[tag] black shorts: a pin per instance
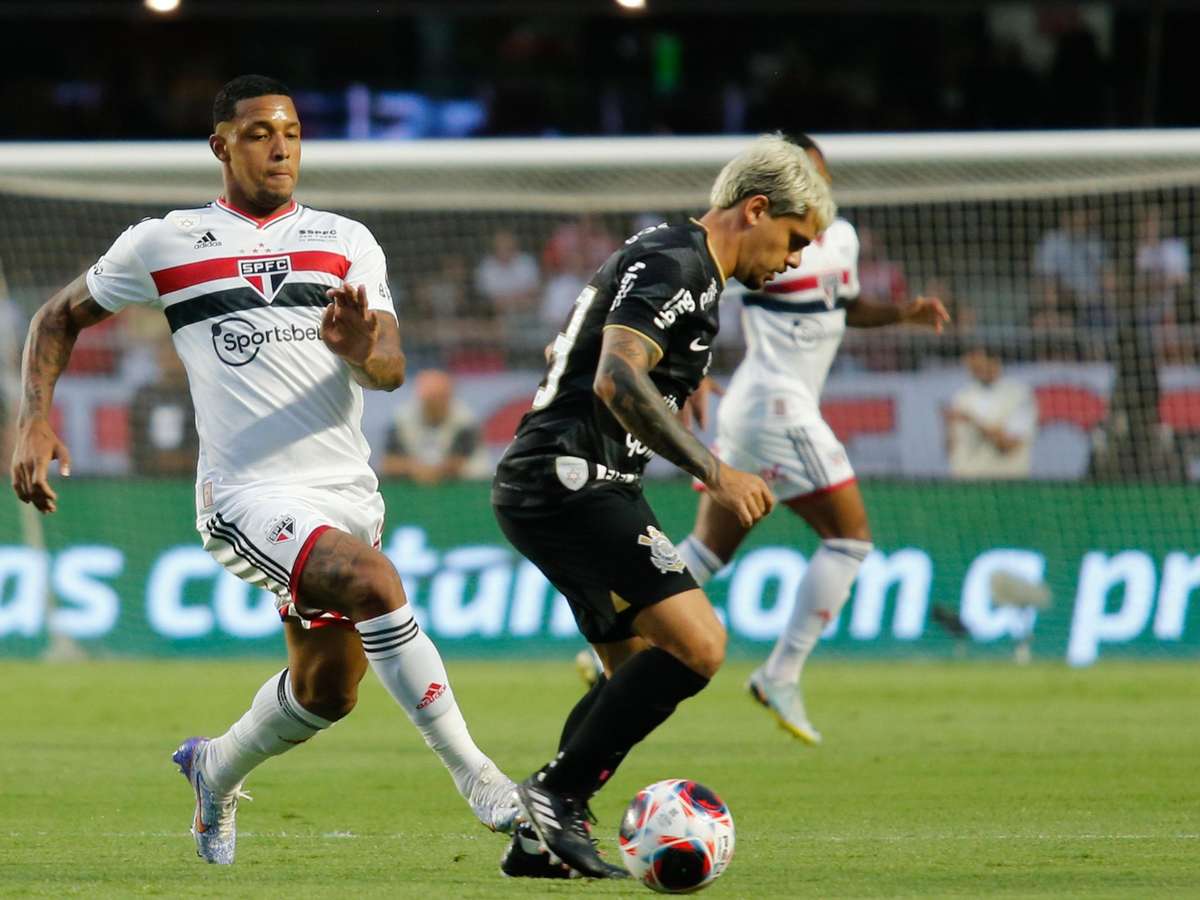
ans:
(604, 550)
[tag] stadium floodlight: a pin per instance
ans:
(631, 4)
(162, 6)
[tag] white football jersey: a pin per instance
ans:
(244, 299)
(793, 329)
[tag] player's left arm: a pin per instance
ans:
(367, 340)
(623, 383)
(927, 311)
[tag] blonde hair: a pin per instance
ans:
(783, 173)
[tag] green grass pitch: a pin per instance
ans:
(935, 780)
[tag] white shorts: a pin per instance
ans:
(795, 460)
(264, 536)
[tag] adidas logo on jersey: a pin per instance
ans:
(432, 693)
(207, 242)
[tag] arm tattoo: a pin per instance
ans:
(385, 369)
(52, 335)
(623, 383)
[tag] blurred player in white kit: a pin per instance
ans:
(770, 422)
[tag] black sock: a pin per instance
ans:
(638, 698)
(579, 712)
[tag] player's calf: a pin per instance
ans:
(327, 687)
(347, 575)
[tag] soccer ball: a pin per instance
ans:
(676, 836)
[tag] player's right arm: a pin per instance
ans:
(52, 335)
(623, 383)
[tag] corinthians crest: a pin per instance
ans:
(663, 554)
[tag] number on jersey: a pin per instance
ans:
(562, 349)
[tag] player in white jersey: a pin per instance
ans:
(770, 422)
(281, 315)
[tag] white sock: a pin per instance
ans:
(406, 661)
(822, 594)
(700, 560)
(274, 724)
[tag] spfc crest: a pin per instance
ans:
(281, 530)
(829, 288)
(265, 274)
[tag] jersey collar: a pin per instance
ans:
(712, 254)
(290, 210)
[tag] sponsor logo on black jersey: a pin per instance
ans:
(627, 282)
(238, 341)
(265, 275)
(646, 231)
(678, 306)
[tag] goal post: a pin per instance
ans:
(1067, 258)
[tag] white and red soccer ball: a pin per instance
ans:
(676, 836)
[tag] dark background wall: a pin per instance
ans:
(115, 70)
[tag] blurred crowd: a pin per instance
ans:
(1086, 289)
(1082, 292)
(587, 69)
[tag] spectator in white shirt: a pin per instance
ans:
(508, 277)
(437, 438)
(1074, 273)
(1163, 269)
(990, 422)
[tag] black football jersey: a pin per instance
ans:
(664, 284)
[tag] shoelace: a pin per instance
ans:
(582, 818)
(229, 807)
(491, 793)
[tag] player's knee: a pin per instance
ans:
(706, 653)
(326, 689)
(374, 588)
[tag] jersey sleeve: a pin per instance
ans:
(368, 267)
(653, 293)
(119, 277)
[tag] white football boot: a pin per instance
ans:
(214, 822)
(492, 797)
(783, 700)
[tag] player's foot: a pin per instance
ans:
(526, 857)
(490, 794)
(588, 665)
(214, 822)
(783, 700)
(561, 822)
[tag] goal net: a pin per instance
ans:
(1027, 473)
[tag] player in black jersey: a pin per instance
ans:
(567, 493)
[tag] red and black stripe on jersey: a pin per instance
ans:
(239, 299)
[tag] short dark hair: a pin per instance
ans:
(243, 88)
(803, 141)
